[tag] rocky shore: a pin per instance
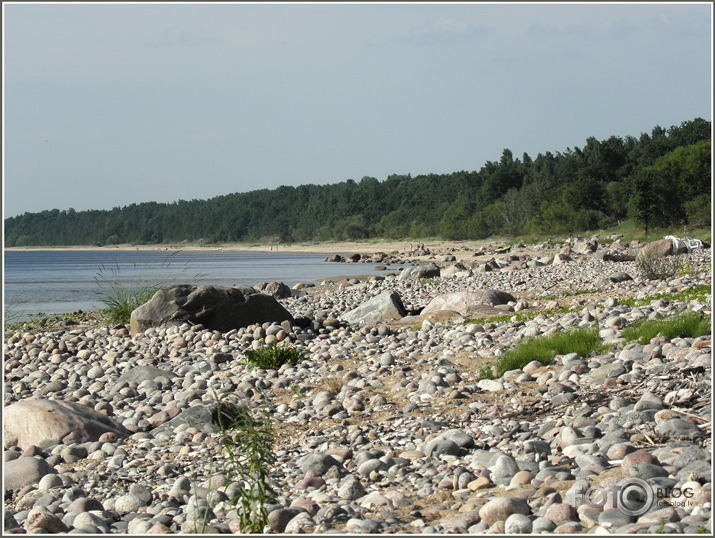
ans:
(386, 426)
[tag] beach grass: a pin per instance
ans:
(120, 297)
(545, 348)
(687, 324)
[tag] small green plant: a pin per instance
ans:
(545, 348)
(486, 372)
(655, 267)
(686, 268)
(247, 443)
(688, 324)
(273, 357)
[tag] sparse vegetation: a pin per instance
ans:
(273, 357)
(333, 385)
(688, 324)
(42, 322)
(486, 372)
(522, 316)
(655, 267)
(121, 298)
(247, 443)
(545, 348)
(574, 293)
(701, 292)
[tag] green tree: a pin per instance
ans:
(649, 199)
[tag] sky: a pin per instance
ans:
(105, 104)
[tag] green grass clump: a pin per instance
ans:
(273, 357)
(120, 301)
(686, 324)
(545, 348)
(121, 298)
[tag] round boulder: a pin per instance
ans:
(32, 421)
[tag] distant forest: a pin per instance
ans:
(659, 179)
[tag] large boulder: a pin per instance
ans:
(467, 302)
(383, 307)
(219, 308)
(279, 290)
(656, 249)
(32, 421)
(417, 272)
(458, 269)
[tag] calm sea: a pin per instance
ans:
(61, 281)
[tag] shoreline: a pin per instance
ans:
(410, 387)
(306, 247)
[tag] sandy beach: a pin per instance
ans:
(460, 249)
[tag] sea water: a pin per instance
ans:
(62, 281)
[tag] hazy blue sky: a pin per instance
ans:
(107, 105)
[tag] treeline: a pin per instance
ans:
(658, 179)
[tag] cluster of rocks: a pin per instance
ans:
(387, 425)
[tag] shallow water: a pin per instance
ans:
(60, 281)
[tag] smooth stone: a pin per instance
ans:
(317, 463)
(501, 508)
(647, 470)
(612, 517)
(518, 524)
(351, 489)
(560, 512)
(279, 519)
(677, 427)
(648, 401)
(503, 470)
(542, 525)
(24, 472)
(50, 481)
(440, 447)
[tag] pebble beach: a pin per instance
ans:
(389, 427)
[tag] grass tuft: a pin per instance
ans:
(686, 324)
(121, 298)
(545, 348)
(333, 385)
(273, 357)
